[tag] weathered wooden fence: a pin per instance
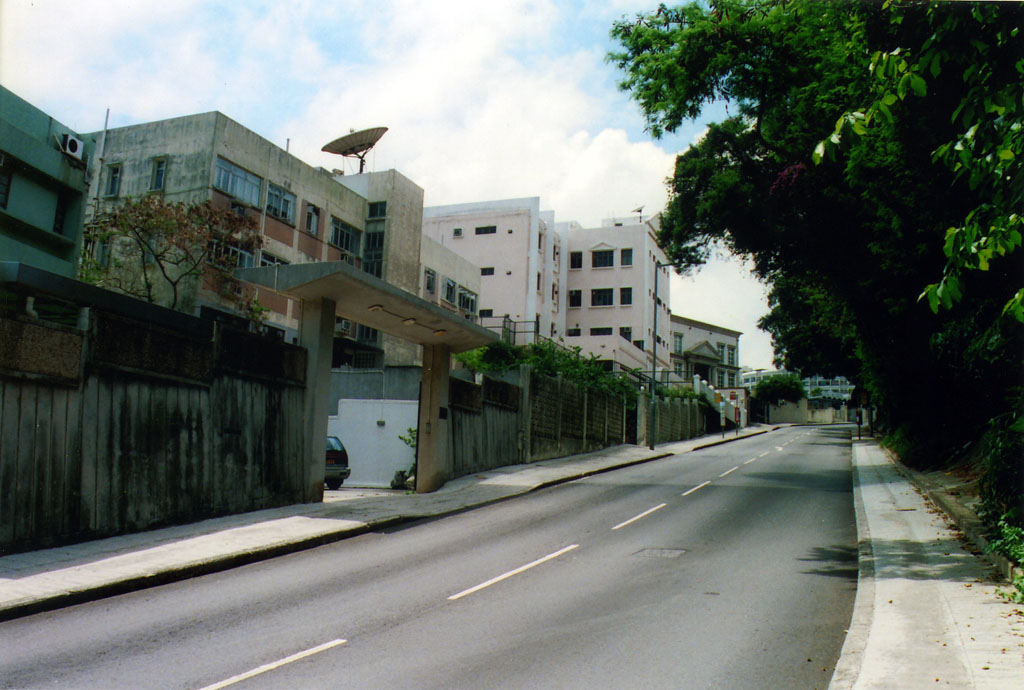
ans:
(484, 425)
(128, 424)
(565, 419)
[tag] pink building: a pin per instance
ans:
(520, 259)
(610, 299)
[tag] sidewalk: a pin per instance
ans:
(926, 612)
(52, 578)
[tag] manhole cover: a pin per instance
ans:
(660, 553)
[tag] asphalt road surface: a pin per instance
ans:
(729, 567)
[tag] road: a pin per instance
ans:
(729, 567)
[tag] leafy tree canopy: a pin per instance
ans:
(780, 388)
(848, 245)
(158, 251)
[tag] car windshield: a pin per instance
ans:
(334, 444)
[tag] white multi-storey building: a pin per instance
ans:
(520, 259)
(611, 302)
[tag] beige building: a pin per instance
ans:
(305, 214)
(519, 256)
(705, 350)
(610, 305)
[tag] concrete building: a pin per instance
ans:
(448, 280)
(705, 350)
(519, 255)
(43, 185)
(305, 214)
(610, 305)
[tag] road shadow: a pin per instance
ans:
(839, 561)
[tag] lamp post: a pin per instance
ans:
(654, 354)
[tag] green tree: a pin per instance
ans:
(780, 388)
(847, 245)
(159, 251)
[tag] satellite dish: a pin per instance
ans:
(356, 144)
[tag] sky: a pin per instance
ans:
(483, 100)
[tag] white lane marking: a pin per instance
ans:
(505, 576)
(699, 486)
(729, 471)
(275, 664)
(778, 448)
(750, 461)
(764, 454)
(643, 514)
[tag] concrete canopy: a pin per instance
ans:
(372, 302)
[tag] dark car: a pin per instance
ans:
(337, 469)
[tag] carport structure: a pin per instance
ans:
(334, 288)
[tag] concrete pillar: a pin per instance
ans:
(316, 334)
(433, 465)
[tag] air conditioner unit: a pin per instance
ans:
(73, 146)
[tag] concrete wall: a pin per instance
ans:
(131, 425)
(390, 383)
(375, 452)
(40, 181)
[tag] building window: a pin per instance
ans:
(720, 378)
(487, 271)
(603, 330)
(679, 369)
(239, 183)
(486, 313)
(365, 334)
(456, 232)
(429, 280)
(575, 298)
(312, 219)
(538, 281)
(602, 258)
(721, 352)
(626, 257)
(575, 259)
(449, 290)
(5, 187)
(602, 297)
(467, 300)
(377, 209)
(626, 332)
(268, 259)
(625, 296)
(731, 355)
(540, 243)
(239, 257)
(60, 213)
(280, 203)
(345, 236)
(373, 254)
(156, 179)
(638, 344)
(677, 343)
(113, 180)
(486, 230)
(572, 332)
(732, 380)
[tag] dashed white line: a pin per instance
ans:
(778, 448)
(505, 576)
(767, 452)
(699, 486)
(641, 515)
(750, 461)
(275, 664)
(729, 471)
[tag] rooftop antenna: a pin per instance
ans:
(356, 144)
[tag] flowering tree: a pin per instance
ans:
(158, 251)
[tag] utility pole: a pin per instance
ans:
(654, 355)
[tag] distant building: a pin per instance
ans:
(705, 350)
(519, 258)
(610, 303)
(43, 186)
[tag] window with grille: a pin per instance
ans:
(602, 297)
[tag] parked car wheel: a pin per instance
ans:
(333, 483)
